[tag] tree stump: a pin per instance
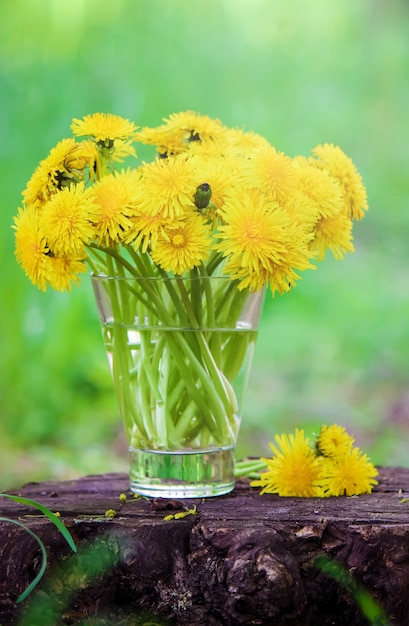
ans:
(241, 559)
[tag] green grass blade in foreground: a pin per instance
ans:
(93, 560)
(40, 574)
(366, 603)
(49, 514)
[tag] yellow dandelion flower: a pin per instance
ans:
(264, 245)
(104, 127)
(31, 246)
(334, 441)
(196, 127)
(231, 143)
(322, 191)
(81, 155)
(67, 220)
(317, 202)
(220, 173)
(245, 142)
(253, 231)
(112, 134)
(293, 469)
(145, 229)
(168, 187)
(116, 196)
(183, 131)
(349, 474)
(343, 170)
(65, 164)
(117, 152)
(279, 278)
(333, 233)
(64, 272)
(41, 186)
(209, 150)
(168, 141)
(301, 210)
(270, 172)
(182, 247)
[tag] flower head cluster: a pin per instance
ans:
(331, 467)
(344, 468)
(215, 200)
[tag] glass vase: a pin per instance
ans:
(180, 352)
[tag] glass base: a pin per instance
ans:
(182, 473)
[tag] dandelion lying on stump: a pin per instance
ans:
(332, 466)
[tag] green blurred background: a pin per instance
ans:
(301, 72)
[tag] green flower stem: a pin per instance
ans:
(146, 382)
(175, 394)
(229, 306)
(149, 371)
(112, 253)
(215, 259)
(212, 410)
(219, 389)
(95, 267)
(180, 347)
(121, 311)
(215, 339)
(124, 295)
(210, 304)
(120, 359)
(210, 404)
(164, 423)
(235, 352)
(196, 297)
(179, 306)
(249, 467)
(185, 422)
(183, 391)
(142, 400)
(221, 385)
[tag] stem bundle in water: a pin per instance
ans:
(178, 348)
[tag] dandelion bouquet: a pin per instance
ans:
(181, 249)
(330, 466)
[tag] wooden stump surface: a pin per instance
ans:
(241, 559)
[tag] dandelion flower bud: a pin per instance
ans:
(203, 195)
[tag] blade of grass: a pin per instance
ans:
(40, 574)
(49, 514)
(366, 603)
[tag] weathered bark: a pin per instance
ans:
(242, 559)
